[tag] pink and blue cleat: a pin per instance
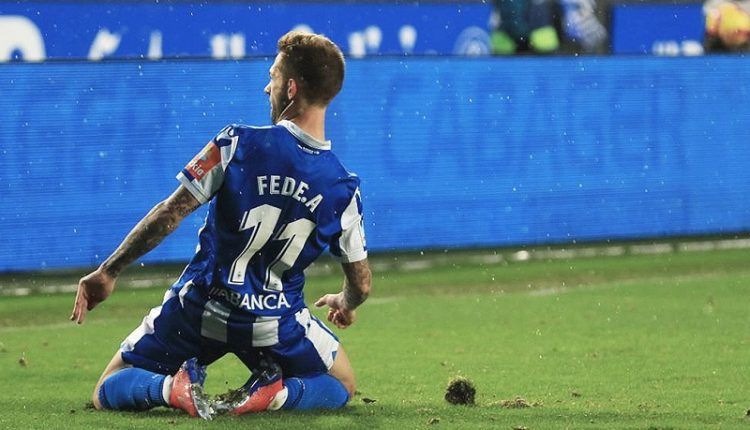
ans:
(258, 392)
(187, 390)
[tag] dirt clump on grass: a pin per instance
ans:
(518, 403)
(230, 396)
(460, 391)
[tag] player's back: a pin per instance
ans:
(283, 198)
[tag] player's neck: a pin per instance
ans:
(312, 121)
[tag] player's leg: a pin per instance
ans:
(114, 365)
(331, 390)
(316, 371)
(154, 365)
(342, 370)
(135, 389)
(123, 387)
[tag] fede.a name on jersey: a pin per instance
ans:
(288, 186)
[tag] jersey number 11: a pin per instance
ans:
(263, 220)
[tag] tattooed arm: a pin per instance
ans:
(162, 220)
(357, 284)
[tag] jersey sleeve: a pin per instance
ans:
(204, 174)
(350, 245)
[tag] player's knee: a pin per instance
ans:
(350, 386)
(95, 398)
(348, 383)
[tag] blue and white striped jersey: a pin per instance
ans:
(278, 197)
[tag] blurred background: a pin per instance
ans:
(507, 123)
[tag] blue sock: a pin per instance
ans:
(319, 392)
(132, 389)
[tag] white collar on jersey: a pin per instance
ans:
(304, 136)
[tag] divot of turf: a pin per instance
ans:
(460, 391)
(518, 403)
(231, 396)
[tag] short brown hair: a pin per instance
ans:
(315, 62)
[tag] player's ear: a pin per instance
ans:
(291, 89)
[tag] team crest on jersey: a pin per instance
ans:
(204, 161)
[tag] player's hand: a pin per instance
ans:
(338, 314)
(93, 289)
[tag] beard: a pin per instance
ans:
(278, 104)
(277, 109)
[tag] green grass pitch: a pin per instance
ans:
(636, 342)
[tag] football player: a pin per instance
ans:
(278, 197)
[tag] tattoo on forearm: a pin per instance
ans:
(162, 220)
(355, 295)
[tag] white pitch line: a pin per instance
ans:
(551, 291)
(54, 326)
(382, 300)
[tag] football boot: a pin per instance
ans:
(187, 390)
